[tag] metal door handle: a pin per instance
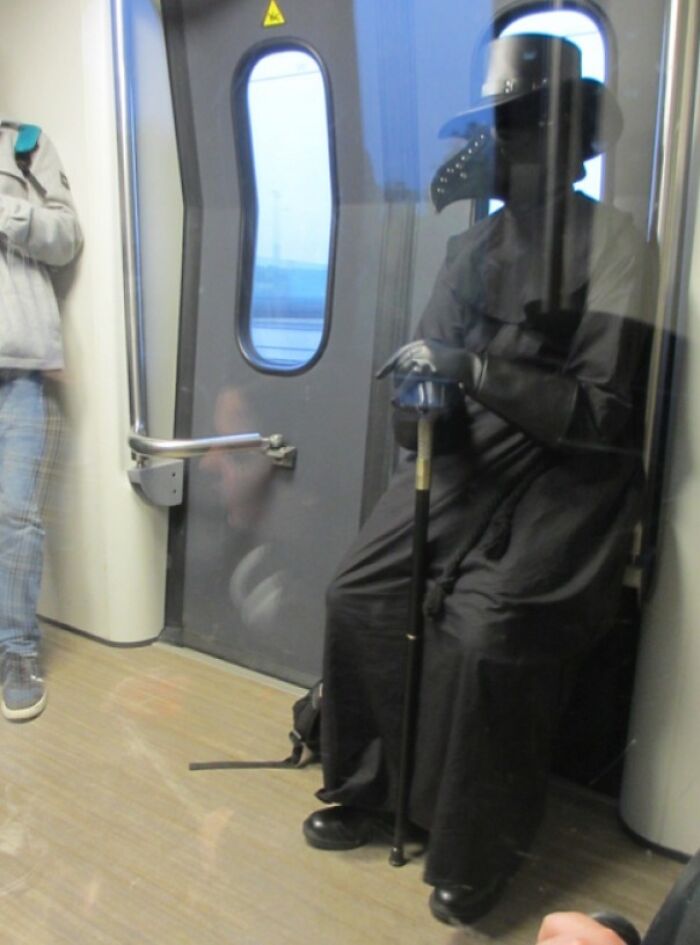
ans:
(273, 446)
(162, 482)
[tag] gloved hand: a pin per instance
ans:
(427, 375)
(419, 393)
(538, 401)
(436, 361)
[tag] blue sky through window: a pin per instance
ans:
(291, 157)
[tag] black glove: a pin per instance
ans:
(436, 361)
(541, 403)
(545, 404)
(418, 390)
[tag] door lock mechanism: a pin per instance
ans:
(279, 452)
(162, 482)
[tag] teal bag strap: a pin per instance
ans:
(27, 140)
(25, 145)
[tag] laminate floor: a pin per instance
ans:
(107, 837)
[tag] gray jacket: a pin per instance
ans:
(39, 230)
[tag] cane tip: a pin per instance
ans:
(396, 857)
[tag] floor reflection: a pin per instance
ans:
(107, 837)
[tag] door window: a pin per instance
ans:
(289, 211)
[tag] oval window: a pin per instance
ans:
(290, 212)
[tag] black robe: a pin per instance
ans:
(533, 507)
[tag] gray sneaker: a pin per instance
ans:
(23, 692)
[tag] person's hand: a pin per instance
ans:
(435, 360)
(574, 928)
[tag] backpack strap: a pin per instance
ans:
(241, 765)
(27, 139)
(26, 143)
(305, 738)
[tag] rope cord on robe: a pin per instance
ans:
(496, 547)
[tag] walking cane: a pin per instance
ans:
(428, 411)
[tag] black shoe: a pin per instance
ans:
(462, 905)
(345, 828)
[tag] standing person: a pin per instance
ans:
(39, 230)
(535, 322)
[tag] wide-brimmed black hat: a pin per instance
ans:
(529, 65)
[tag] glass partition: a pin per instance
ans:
(337, 161)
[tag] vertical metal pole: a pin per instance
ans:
(414, 636)
(129, 209)
(554, 204)
(667, 225)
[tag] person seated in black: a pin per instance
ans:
(535, 323)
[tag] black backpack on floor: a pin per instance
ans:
(305, 738)
(306, 734)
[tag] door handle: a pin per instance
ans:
(161, 483)
(281, 453)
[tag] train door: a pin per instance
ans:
(293, 246)
(307, 138)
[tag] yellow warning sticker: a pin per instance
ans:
(274, 15)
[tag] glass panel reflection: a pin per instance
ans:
(585, 33)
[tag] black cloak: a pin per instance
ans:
(535, 497)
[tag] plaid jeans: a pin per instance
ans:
(23, 436)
